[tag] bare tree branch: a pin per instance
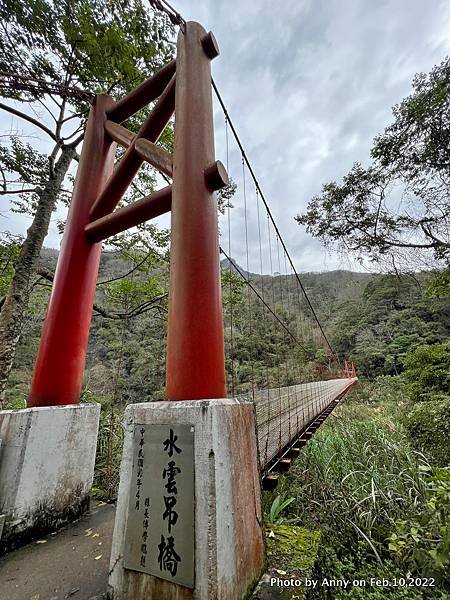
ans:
(26, 117)
(138, 310)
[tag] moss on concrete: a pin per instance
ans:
(291, 553)
(292, 548)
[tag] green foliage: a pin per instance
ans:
(9, 251)
(383, 389)
(428, 371)
(388, 319)
(32, 168)
(428, 426)
(278, 506)
(109, 453)
(423, 543)
(232, 288)
(98, 45)
(224, 196)
(438, 286)
(358, 482)
(412, 153)
(129, 293)
(363, 474)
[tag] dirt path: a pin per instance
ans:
(72, 563)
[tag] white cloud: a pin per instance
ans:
(308, 85)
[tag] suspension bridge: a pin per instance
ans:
(248, 354)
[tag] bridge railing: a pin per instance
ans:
(282, 415)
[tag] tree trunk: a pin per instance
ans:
(16, 301)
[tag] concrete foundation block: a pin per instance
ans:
(47, 458)
(229, 552)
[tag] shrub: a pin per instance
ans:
(109, 453)
(428, 371)
(278, 506)
(382, 389)
(355, 479)
(357, 482)
(428, 426)
(423, 543)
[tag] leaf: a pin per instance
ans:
(393, 547)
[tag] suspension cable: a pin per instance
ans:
(168, 9)
(238, 141)
(251, 286)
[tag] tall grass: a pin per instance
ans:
(355, 481)
(109, 453)
(361, 473)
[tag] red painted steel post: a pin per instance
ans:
(346, 374)
(195, 344)
(58, 373)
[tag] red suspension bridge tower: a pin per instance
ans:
(195, 347)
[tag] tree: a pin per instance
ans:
(398, 208)
(428, 371)
(390, 318)
(439, 284)
(96, 45)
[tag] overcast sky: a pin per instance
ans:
(308, 84)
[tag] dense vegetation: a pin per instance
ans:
(374, 484)
(385, 324)
(372, 320)
(373, 494)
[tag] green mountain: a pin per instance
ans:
(369, 319)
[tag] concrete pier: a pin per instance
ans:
(47, 458)
(223, 489)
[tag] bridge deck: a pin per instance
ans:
(282, 413)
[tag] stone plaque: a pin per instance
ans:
(159, 538)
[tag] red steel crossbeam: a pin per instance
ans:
(145, 93)
(148, 151)
(134, 214)
(195, 354)
(152, 128)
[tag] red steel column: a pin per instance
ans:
(195, 345)
(58, 373)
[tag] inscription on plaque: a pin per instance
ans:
(159, 539)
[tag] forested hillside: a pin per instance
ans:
(372, 320)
